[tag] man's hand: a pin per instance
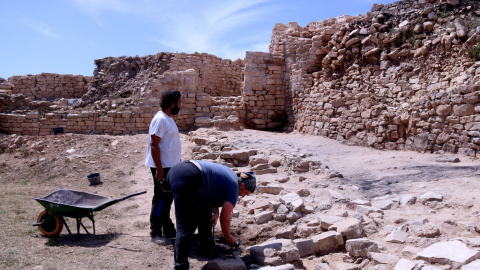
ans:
(215, 215)
(230, 240)
(223, 240)
(159, 175)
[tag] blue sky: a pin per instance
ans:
(66, 36)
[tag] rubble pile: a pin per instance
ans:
(296, 219)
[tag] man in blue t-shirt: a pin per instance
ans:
(199, 189)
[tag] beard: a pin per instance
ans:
(175, 110)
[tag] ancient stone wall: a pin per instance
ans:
(264, 91)
(404, 76)
(47, 85)
(125, 77)
(222, 112)
(393, 81)
(217, 76)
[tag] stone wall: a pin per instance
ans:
(47, 85)
(124, 77)
(391, 81)
(399, 77)
(264, 91)
(217, 76)
(222, 112)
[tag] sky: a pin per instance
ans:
(66, 36)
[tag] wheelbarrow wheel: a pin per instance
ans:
(51, 227)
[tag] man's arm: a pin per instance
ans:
(155, 152)
(225, 217)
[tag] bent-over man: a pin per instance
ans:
(199, 188)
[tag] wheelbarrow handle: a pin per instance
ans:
(107, 204)
(132, 195)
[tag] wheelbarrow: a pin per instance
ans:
(71, 203)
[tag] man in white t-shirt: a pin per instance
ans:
(164, 151)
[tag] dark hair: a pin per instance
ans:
(249, 179)
(169, 97)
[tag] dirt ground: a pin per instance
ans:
(41, 165)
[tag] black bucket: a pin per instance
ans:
(58, 130)
(94, 179)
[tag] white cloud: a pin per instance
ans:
(214, 26)
(95, 8)
(41, 28)
(203, 28)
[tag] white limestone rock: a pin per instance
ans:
(263, 217)
(327, 242)
(286, 233)
(350, 228)
(408, 199)
(430, 196)
(361, 247)
(454, 253)
(293, 201)
(275, 252)
(399, 235)
(270, 189)
(327, 221)
(404, 264)
(280, 267)
(383, 258)
(305, 247)
(475, 265)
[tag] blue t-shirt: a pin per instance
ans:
(220, 183)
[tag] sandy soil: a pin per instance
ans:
(42, 165)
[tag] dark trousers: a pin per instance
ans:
(160, 212)
(192, 211)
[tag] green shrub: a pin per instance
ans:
(474, 52)
(442, 13)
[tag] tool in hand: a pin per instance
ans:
(223, 240)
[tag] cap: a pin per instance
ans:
(250, 181)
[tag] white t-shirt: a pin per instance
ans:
(164, 127)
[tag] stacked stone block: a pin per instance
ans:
(395, 78)
(390, 82)
(217, 77)
(47, 85)
(264, 91)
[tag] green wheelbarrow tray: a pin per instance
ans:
(71, 203)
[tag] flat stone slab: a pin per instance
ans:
(454, 253)
(472, 266)
(327, 221)
(280, 267)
